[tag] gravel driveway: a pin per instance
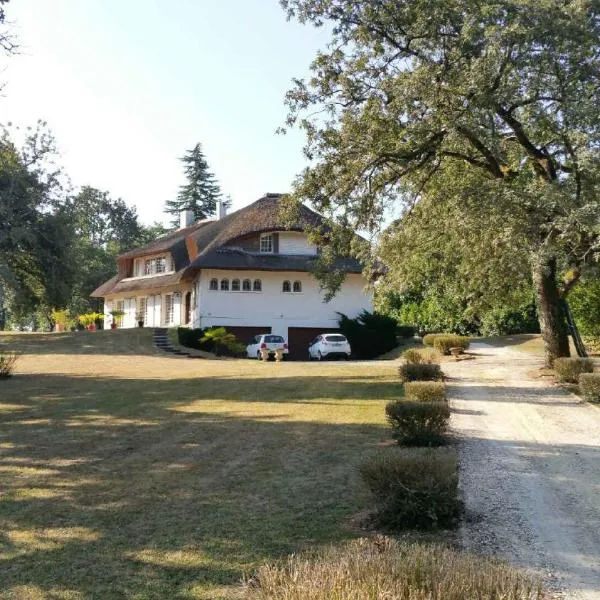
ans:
(530, 469)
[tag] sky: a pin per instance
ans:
(127, 86)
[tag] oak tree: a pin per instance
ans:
(411, 96)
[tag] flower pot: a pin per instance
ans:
(140, 323)
(113, 325)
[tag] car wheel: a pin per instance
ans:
(258, 355)
(320, 355)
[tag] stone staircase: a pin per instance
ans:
(160, 339)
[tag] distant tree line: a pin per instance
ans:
(56, 245)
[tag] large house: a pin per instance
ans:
(246, 271)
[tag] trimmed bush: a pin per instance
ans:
(569, 369)
(7, 364)
(413, 356)
(420, 372)
(443, 343)
(381, 567)
(413, 487)
(589, 386)
(430, 338)
(418, 423)
(425, 391)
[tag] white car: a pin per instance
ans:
(329, 345)
(269, 341)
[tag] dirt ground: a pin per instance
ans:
(530, 469)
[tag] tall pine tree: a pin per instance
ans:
(200, 193)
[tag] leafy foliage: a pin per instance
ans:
(416, 487)
(589, 386)
(369, 334)
(584, 301)
(222, 342)
(569, 369)
(478, 123)
(420, 372)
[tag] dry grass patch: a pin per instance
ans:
(382, 568)
(183, 474)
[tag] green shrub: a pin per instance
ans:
(589, 386)
(406, 331)
(420, 372)
(224, 343)
(569, 369)
(425, 391)
(190, 338)
(418, 423)
(370, 334)
(385, 568)
(413, 487)
(443, 343)
(7, 364)
(430, 338)
(506, 320)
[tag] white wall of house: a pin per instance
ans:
(294, 242)
(273, 307)
(159, 308)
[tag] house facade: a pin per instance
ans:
(245, 271)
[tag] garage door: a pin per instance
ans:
(300, 337)
(244, 334)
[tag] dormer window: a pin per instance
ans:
(266, 243)
(153, 266)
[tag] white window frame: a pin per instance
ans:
(266, 243)
(169, 302)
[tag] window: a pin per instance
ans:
(274, 339)
(214, 284)
(120, 307)
(141, 310)
(224, 285)
(161, 264)
(154, 266)
(235, 285)
(257, 287)
(266, 242)
(287, 287)
(168, 309)
(246, 285)
(297, 286)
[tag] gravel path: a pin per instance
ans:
(530, 469)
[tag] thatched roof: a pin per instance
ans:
(211, 244)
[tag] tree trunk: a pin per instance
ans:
(550, 310)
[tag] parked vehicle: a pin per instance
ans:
(329, 345)
(266, 341)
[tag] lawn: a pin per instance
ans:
(128, 474)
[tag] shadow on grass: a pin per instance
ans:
(119, 488)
